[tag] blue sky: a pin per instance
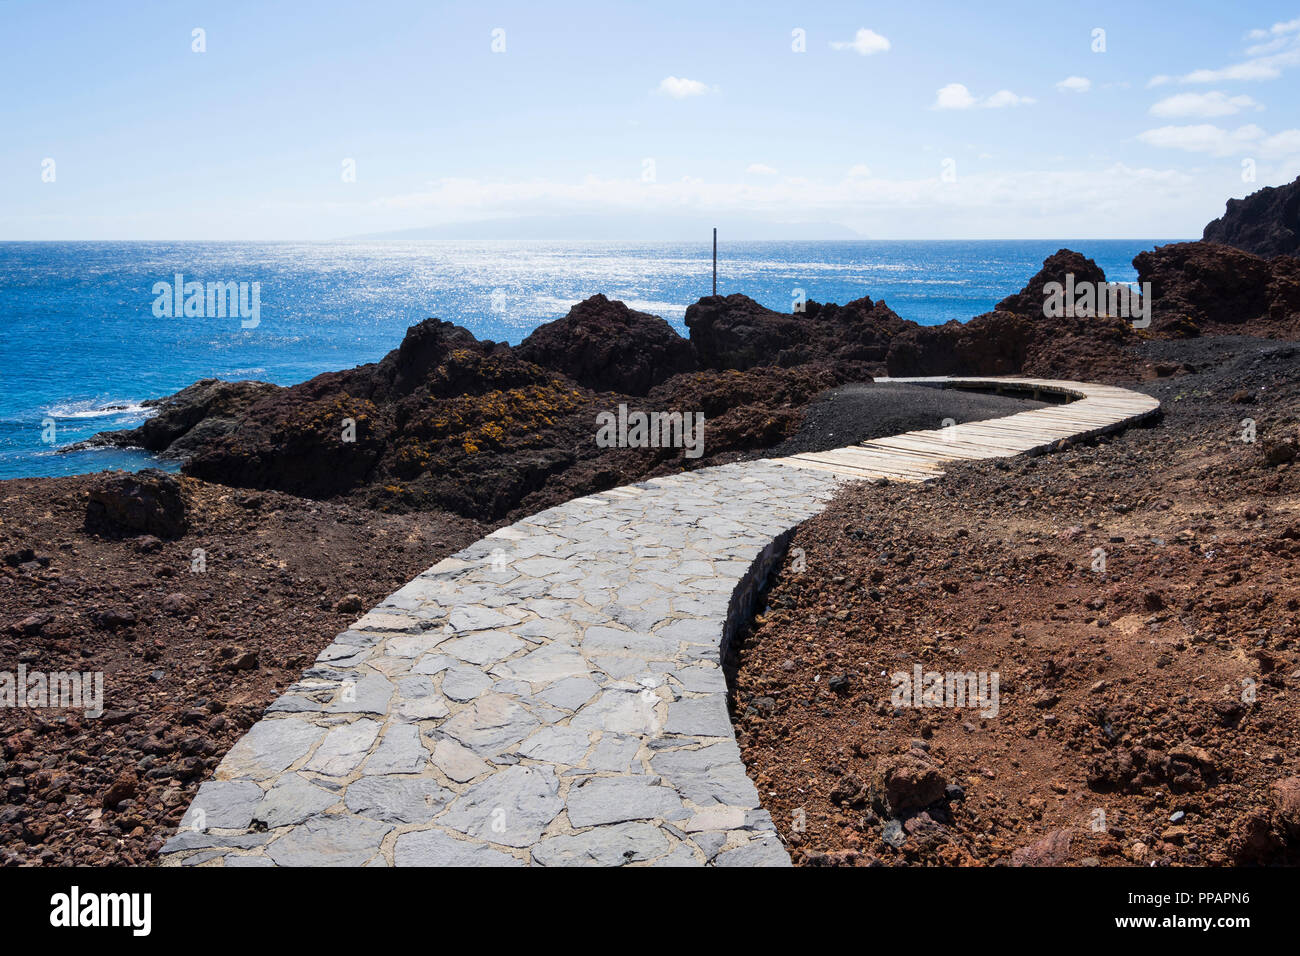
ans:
(627, 112)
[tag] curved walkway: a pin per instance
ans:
(553, 694)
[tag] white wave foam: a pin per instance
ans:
(96, 409)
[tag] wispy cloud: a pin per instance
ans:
(760, 169)
(1265, 61)
(1206, 105)
(864, 43)
(1216, 141)
(1074, 84)
(955, 96)
(680, 88)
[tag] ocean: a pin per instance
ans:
(81, 345)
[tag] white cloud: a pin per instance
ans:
(1006, 98)
(1074, 84)
(1285, 143)
(1202, 138)
(1265, 61)
(1202, 104)
(760, 169)
(859, 171)
(1216, 141)
(955, 96)
(1261, 68)
(864, 43)
(1035, 200)
(679, 88)
(1277, 29)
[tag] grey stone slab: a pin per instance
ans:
(419, 699)
(435, 848)
(400, 750)
(463, 682)
(609, 640)
(292, 800)
(397, 798)
(615, 845)
(270, 747)
(561, 745)
(699, 717)
(483, 647)
(223, 805)
(702, 679)
(763, 851)
(338, 839)
(600, 800)
(681, 856)
(343, 748)
(369, 695)
(187, 841)
(622, 711)
(550, 662)
(512, 807)
(474, 618)
(490, 725)
(616, 753)
(459, 763)
(570, 693)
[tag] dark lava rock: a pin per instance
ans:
(605, 346)
(1051, 850)
(191, 417)
(1204, 288)
(177, 603)
(123, 788)
(350, 604)
(1285, 799)
(114, 618)
(1017, 337)
(1030, 300)
(146, 502)
(735, 332)
(905, 783)
(1266, 222)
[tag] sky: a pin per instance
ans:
(923, 120)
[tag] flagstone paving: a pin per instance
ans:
(551, 695)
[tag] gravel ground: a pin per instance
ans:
(1139, 598)
(852, 414)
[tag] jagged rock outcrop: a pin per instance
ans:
(605, 346)
(189, 419)
(735, 332)
(1018, 337)
(1057, 267)
(146, 502)
(1266, 223)
(448, 422)
(1205, 288)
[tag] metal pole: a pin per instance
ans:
(715, 260)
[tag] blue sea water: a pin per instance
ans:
(81, 347)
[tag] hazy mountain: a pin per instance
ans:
(629, 227)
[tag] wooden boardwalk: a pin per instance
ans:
(921, 455)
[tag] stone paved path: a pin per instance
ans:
(550, 695)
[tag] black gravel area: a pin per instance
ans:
(857, 413)
(1212, 376)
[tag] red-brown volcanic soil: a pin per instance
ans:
(190, 660)
(1161, 691)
